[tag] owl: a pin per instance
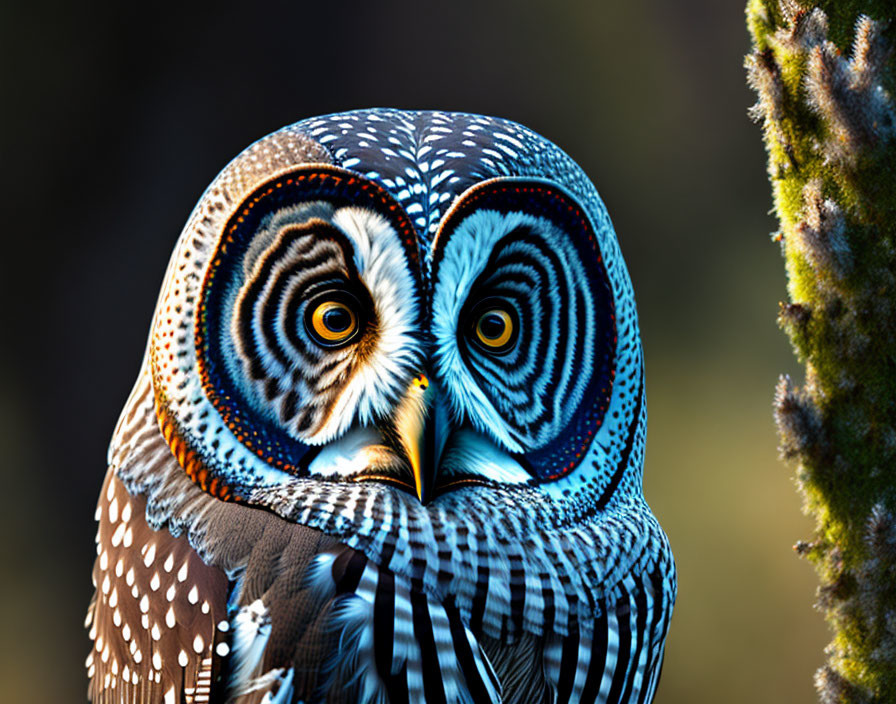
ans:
(386, 443)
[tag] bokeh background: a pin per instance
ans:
(114, 120)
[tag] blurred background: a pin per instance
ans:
(115, 119)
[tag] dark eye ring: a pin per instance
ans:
(333, 319)
(494, 327)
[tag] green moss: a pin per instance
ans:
(842, 17)
(762, 16)
(848, 343)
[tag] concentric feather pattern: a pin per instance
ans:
(387, 441)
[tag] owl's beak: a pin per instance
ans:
(422, 428)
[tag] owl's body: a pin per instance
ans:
(387, 440)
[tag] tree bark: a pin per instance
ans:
(824, 75)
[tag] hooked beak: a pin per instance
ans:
(422, 427)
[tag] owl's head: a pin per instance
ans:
(424, 302)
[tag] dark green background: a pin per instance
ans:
(114, 121)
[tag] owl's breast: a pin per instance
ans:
(456, 599)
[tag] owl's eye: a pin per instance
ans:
(332, 320)
(494, 326)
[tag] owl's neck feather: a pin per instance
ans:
(443, 547)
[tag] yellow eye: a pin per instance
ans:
(494, 329)
(333, 322)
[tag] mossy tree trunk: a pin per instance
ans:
(825, 74)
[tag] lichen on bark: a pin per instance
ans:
(825, 75)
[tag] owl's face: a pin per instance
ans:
(427, 304)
